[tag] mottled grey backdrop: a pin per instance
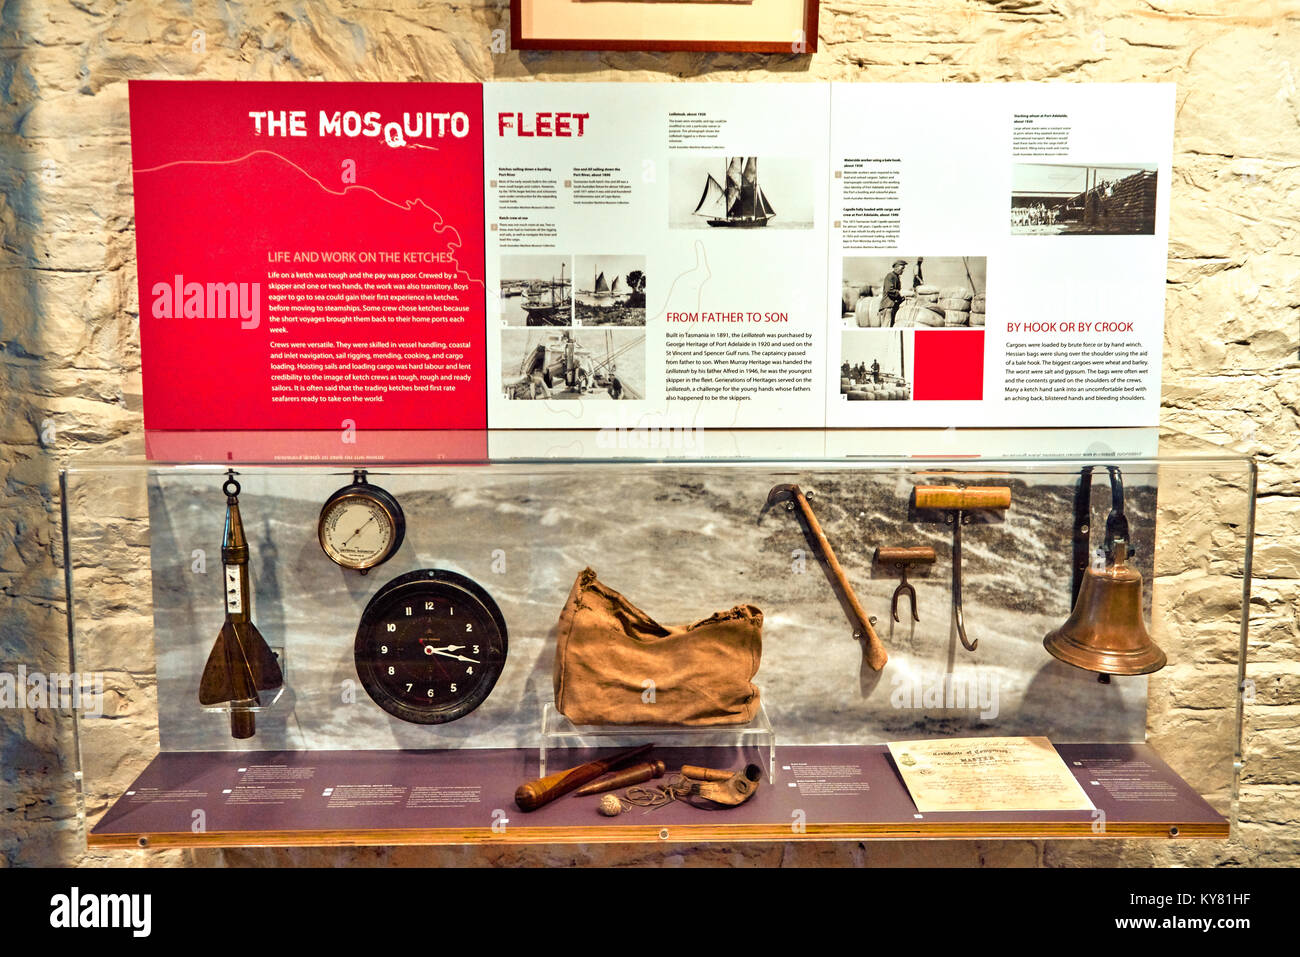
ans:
(678, 542)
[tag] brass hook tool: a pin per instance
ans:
(901, 558)
(862, 628)
(957, 501)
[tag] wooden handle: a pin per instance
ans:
(531, 796)
(974, 496)
(705, 774)
(913, 555)
(636, 774)
(875, 650)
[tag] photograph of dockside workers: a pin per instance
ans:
(905, 292)
(610, 291)
(536, 290)
(573, 363)
(1073, 199)
(875, 365)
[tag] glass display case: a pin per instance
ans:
(239, 686)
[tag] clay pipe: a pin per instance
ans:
(859, 619)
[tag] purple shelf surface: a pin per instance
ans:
(305, 792)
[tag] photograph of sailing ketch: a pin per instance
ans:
(740, 193)
(610, 291)
(876, 365)
(573, 363)
(536, 290)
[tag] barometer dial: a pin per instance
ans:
(361, 525)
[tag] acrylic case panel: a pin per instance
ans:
(682, 538)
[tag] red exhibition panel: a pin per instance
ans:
(310, 255)
(949, 364)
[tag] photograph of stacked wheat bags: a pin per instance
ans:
(900, 292)
(1064, 199)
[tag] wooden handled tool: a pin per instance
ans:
(534, 794)
(901, 558)
(912, 555)
(636, 774)
(971, 497)
(957, 500)
(861, 621)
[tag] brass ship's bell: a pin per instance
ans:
(1105, 632)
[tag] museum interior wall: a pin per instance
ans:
(70, 361)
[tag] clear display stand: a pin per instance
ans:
(753, 740)
(267, 700)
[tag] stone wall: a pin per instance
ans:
(69, 351)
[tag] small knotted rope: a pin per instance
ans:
(677, 788)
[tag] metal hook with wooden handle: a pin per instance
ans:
(875, 651)
(957, 500)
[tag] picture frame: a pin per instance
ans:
(744, 26)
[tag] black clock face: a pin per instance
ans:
(430, 646)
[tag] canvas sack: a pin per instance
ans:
(607, 649)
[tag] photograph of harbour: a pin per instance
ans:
(536, 290)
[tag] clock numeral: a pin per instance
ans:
(383, 649)
(392, 670)
(469, 670)
(408, 686)
(408, 611)
(453, 688)
(469, 626)
(476, 651)
(392, 626)
(429, 692)
(428, 606)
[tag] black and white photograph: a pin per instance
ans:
(906, 292)
(537, 290)
(588, 364)
(740, 193)
(876, 365)
(1077, 199)
(609, 291)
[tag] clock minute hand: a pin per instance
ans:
(448, 654)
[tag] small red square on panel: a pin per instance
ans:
(949, 364)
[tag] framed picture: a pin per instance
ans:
(749, 26)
